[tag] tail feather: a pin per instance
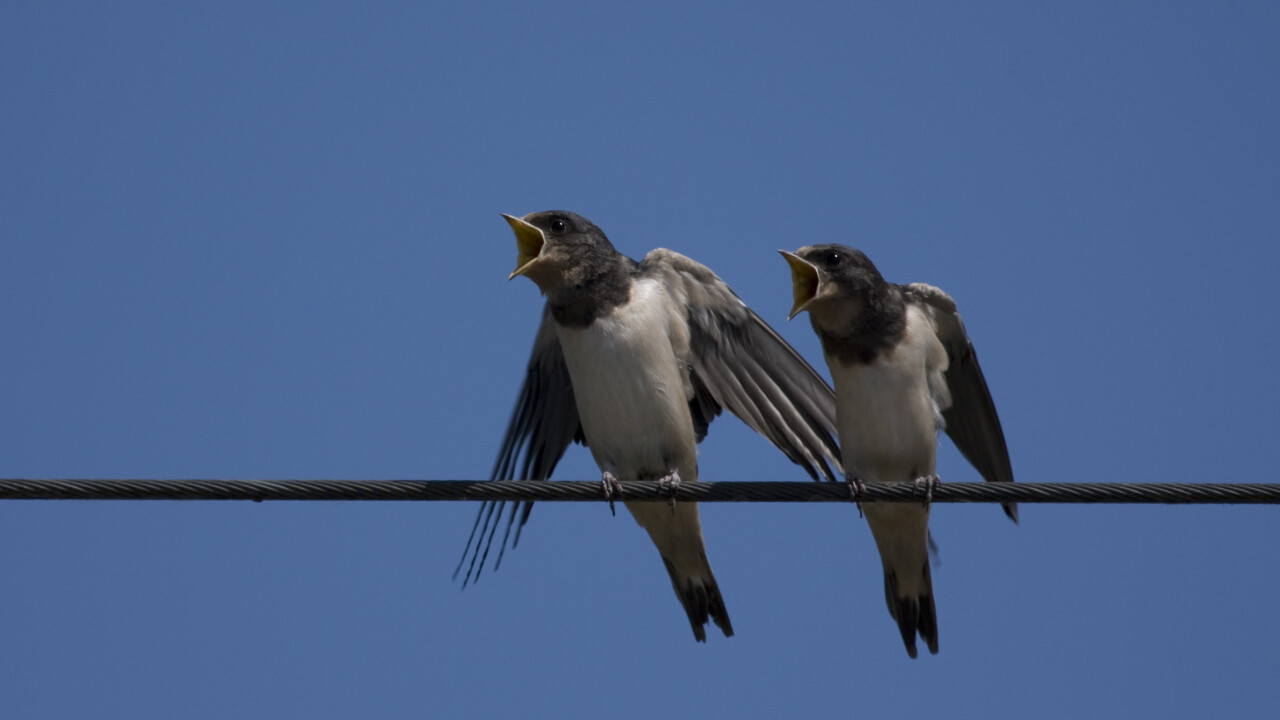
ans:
(702, 602)
(914, 615)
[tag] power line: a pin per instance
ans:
(590, 491)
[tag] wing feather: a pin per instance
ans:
(971, 420)
(746, 367)
(543, 424)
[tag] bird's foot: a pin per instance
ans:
(612, 489)
(669, 485)
(928, 483)
(856, 488)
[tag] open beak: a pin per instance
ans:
(529, 240)
(804, 282)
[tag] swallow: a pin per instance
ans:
(634, 360)
(903, 369)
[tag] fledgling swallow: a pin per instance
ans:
(903, 369)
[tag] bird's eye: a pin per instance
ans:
(833, 259)
(558, 226)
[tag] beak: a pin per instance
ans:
(529, 240)
(804, 282)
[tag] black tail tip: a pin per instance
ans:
(702, 602)
(914, 615)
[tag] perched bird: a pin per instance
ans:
(903, 369)
(634, 360)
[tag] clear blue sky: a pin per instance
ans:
(252, 241)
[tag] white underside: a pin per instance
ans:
(888, 414)
(633, 401)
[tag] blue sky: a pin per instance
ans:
(248, 241)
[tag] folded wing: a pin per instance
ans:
(971, 420)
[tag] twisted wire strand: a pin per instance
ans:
(590, 491)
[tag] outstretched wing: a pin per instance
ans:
(971, 420)
(738, 362)
(543, 423)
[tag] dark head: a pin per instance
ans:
(854, 311)
(559, 250)
(572, 263)
(824, 276)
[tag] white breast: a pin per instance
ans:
(886, 411)
(630, 390)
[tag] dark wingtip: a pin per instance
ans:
(481, 525)
(1011, 510)
(465, 551)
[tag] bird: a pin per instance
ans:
(903, 369)
(634, 360)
